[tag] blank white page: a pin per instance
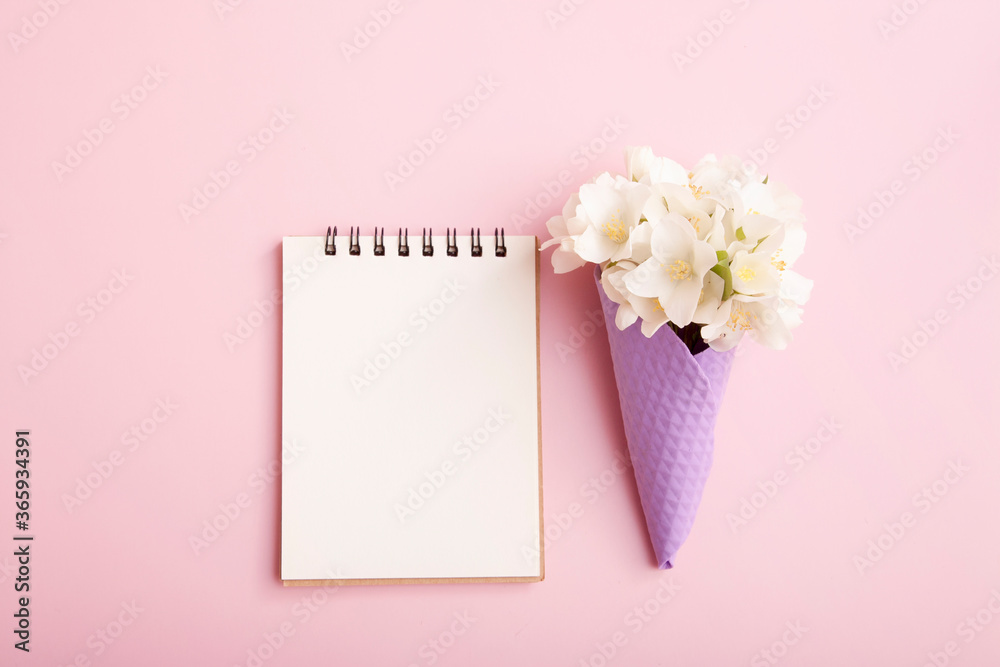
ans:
(410, 413)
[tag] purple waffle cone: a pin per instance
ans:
(670, 400)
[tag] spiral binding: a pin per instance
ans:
(426, 242)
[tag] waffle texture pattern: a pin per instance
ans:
(670, 400)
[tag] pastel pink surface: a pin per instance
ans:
(560, 100)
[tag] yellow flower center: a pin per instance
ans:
(746, 274)
(679, 270)
(698, 191)
(740, 319)
(778, 263)
(657, 306)
(751, 211)
(694, 223)
(615, 228)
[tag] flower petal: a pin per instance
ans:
(682, 302)
(601, 203)
(709, 300)
(672, 239)
(595, 246)
(649, 280)
(637, 161)
(665, 170)
(625, 316)
(565, 259)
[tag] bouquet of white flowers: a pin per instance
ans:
(709, 253)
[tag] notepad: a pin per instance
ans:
(410, 410)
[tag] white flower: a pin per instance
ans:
(652, 313)
(642, 166)
(762, 208)
(563, 229)
(675, 272)
(611, 208)
(611, 280)
(670, 198)
(721, 179)
(754, 274)
(772, 199)
(757, 316)
(794, 288)
(641, 236)
(630, 306)
(637, 162)
(795, 291)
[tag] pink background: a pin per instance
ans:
(885, 97)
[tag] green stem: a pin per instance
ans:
(722, 270)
